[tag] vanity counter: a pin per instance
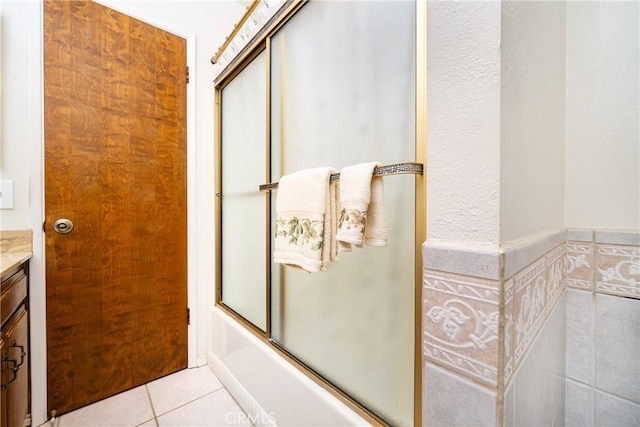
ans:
(15, 248)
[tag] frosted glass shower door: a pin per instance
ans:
(343, 92)
(243, 166)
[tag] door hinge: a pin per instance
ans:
(188, 316)
(187, 74)
(44, 226)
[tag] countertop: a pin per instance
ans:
(15, 248)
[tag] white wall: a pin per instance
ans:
(603, 147)
(532, 118)
(20, 86)
(21, 154)
(204, 24)
(463, 96)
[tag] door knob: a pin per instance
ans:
(63, 226)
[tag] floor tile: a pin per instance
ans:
(129, 408)
(213, 410)
(150, 423)
(182, 387)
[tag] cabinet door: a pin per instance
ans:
(15, 368)
(3, 391)
(14, 291)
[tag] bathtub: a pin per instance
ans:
(266, 386)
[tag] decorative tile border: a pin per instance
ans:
(537, 289)
(460, 324)
(604, 261)
(509, 323)
(464, 330)
(529, 304)
(618, 270)
(579, 265)
(556, 274)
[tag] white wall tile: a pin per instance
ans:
(509, 412)
(539, 381)
(617, 341)
(556, 334)
(580, 234)
(618, 237)
(580, 336)
(578, 405)
(530, 387)
(555, 342)
(470, 260)
(523, 252)
(613, 411)
(450, 400)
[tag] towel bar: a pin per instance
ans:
(392, 169)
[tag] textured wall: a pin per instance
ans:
(463, 152)
(603, 146)
(532, 118)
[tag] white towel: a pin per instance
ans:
(376, 231)
(362, 213)
(305, 218)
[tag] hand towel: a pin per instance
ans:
(305, 216)
(376, 230)
(361, 197)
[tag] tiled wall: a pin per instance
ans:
(542, 332)
(535, 335)
(494, 344)
(461, 348)
(603, 328)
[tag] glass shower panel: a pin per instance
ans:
(344, 98)
(244, 112)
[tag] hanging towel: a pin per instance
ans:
(375, 233)
(305, 218)
(362, 215)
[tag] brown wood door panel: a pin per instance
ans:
(115, 165)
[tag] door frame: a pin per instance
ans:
(197, 299)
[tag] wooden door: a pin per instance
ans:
(115, 166)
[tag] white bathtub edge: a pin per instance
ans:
(328, 405)
(257, 415)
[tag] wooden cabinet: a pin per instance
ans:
(14, 348)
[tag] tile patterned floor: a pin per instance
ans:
(192, 397)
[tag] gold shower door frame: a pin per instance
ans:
(256, 47)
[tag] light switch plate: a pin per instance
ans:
(6, 194)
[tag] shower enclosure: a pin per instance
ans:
(327, 84)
